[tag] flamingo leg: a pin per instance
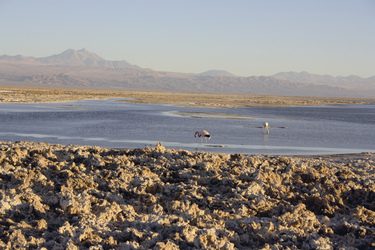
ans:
(200, 143)
(266, 130)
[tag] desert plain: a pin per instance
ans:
(188, 99)
(83, 197)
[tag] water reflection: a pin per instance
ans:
(313, 130)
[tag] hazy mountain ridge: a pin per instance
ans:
(17, 58)
(60, 79)
(217, 73)
(72, 57)
(83, 69)
(305, 77)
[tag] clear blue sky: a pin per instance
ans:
(244, 37)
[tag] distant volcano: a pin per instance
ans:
(73, 57)
(84, 69)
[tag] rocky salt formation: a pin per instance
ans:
(80, 197)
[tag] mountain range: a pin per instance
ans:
(341, 81)
(84, 69)
(71, 57)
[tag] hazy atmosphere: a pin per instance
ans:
(190, 124)
(245, 38)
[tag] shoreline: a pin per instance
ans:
(208, 100)
(156, 198)
(44, 95)
(336, 158)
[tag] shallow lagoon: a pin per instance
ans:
(112, 123)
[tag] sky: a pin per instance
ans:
(243, 37)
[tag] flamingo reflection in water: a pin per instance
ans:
(265, 128)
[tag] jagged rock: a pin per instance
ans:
(80, 197)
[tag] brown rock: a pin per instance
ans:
(79, 197)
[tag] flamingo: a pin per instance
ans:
(265, 128)
(204, 134)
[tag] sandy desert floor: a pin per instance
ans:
(42, 95)
(80, 197)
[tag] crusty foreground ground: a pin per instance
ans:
(37, 95)
(81, 197)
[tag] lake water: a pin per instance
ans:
(111, 123)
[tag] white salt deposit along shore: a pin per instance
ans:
(81, 197)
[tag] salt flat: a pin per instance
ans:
(42, 95)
